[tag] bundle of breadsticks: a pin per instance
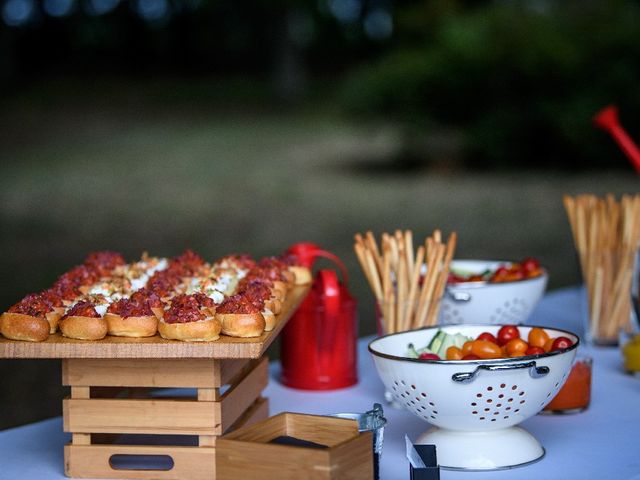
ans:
(606, 233)
(407, 284)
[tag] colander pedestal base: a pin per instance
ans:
(487, 450)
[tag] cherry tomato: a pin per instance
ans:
(515, 267)
(485, 349)
(429, 356)
(466, 348)
(475, 278)
(517, 354)
(454, 353)
(489, 337)
(537, 337)
(499, 274)
(534, 273)
(516, 345)
(548, 345)
(454, 278)
(561, 343)
(471, 356)
(529, 265)
(534, 351)
(506, 333)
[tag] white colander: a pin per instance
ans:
(492, 303)
(474, 405)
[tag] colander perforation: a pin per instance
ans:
(496, 405)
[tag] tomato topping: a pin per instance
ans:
(104, 262)
(238, 303)
(506, 333)
(184, 309)
(82, 309)
(34, 304)
(186, 264)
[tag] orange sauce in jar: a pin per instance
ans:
(575, 394)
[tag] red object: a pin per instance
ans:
(607, 119)
(318, 345)
(507, 333)
(575, 394)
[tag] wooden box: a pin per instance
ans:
(249, 452)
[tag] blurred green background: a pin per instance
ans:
(223, 126)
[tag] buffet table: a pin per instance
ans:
(600, 443)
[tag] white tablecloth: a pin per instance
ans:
(601, 443)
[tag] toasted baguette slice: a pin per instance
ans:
(18, 326)
(53, 318)
(206, 330)
(242, 324)
(144, 326)
(302, 275)
(83, 328)
(269, 319)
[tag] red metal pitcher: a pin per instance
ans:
(318, 345)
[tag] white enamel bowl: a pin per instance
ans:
(473, 405)
(491, 303)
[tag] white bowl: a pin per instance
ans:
(474, 405)
(489, 303)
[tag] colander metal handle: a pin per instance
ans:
(458, 297)
(534, 371)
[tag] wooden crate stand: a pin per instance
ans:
(209, 414)
(228, 376)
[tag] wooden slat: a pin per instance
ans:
(239, 397)
(81, 439)
(255, 413)
(353, 460)
(57, 346)
(236, 459)
(160, 416)
(208, 394)
(92, 461)
(81, 392)
(183, 373)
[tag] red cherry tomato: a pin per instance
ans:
(471, 356)
(429, 356)
(489, 337)
(530, 265)
(561, 343)
(534, 351)
(507, 333)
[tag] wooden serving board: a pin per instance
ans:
(57, 346)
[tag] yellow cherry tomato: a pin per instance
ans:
(485, 349)
(517, 345)
(548, 345)
(466, 348)
(454, 353)
(537, 337)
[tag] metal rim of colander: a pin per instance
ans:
(494, 361)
